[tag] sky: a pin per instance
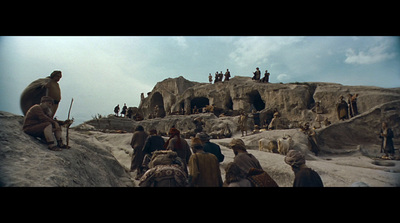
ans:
(101, 72)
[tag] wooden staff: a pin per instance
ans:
(69, 113)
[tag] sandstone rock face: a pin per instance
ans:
(293, 100)
(362, 131)
(164, 94)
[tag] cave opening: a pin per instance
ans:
(157, 99)
(199, 102)
(256, 100)
(229, 103)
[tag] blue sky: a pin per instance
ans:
(101, 72)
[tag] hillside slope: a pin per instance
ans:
(26, 162)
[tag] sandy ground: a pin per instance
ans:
(335, 170)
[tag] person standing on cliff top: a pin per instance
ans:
(124, 109)
(227, 75)
(265, 79)
(216, 77)
(257, 74)
(116, 110)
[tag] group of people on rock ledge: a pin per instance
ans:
(256, 76)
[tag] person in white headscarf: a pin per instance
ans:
(304, 176)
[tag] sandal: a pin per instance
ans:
(54, 148)
(62, 145)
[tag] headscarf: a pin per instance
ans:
(295, 158)
(203, 136)
(174, 132)
(196, 143)
(54, 73)
(238, 143)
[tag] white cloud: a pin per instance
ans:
(283, 77)
(180, 41)
(372, 55)
(250, 50)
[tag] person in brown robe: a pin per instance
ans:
(227, 75)
(235, 177)
(243, 159)
(257, 74)
(250, 165)
(304, 176)
(387, 145)
(242, 121)
(38, 122)
(203, 167)
(42, 87)
(138, 139)
(179, 145)
(342, 109)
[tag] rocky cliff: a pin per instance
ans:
(293, 100)
(26, 162)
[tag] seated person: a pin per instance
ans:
(38, 123)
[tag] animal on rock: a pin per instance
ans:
(285, 144)
(269, 146)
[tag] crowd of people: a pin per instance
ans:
(175, 163)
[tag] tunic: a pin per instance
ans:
(387, 142)
(306, 177)
(246, 161)
(137, 143)
(36, 121)
(342, 110)
(213, 148)
(243, 122)
(183, 153)
(153, 143)
(204, 170)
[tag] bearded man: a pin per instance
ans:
(48, 86)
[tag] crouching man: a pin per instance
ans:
(38, 123)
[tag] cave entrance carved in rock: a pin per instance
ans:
(157, 99)
(256, 101)
(229, 103)
(199, 102)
